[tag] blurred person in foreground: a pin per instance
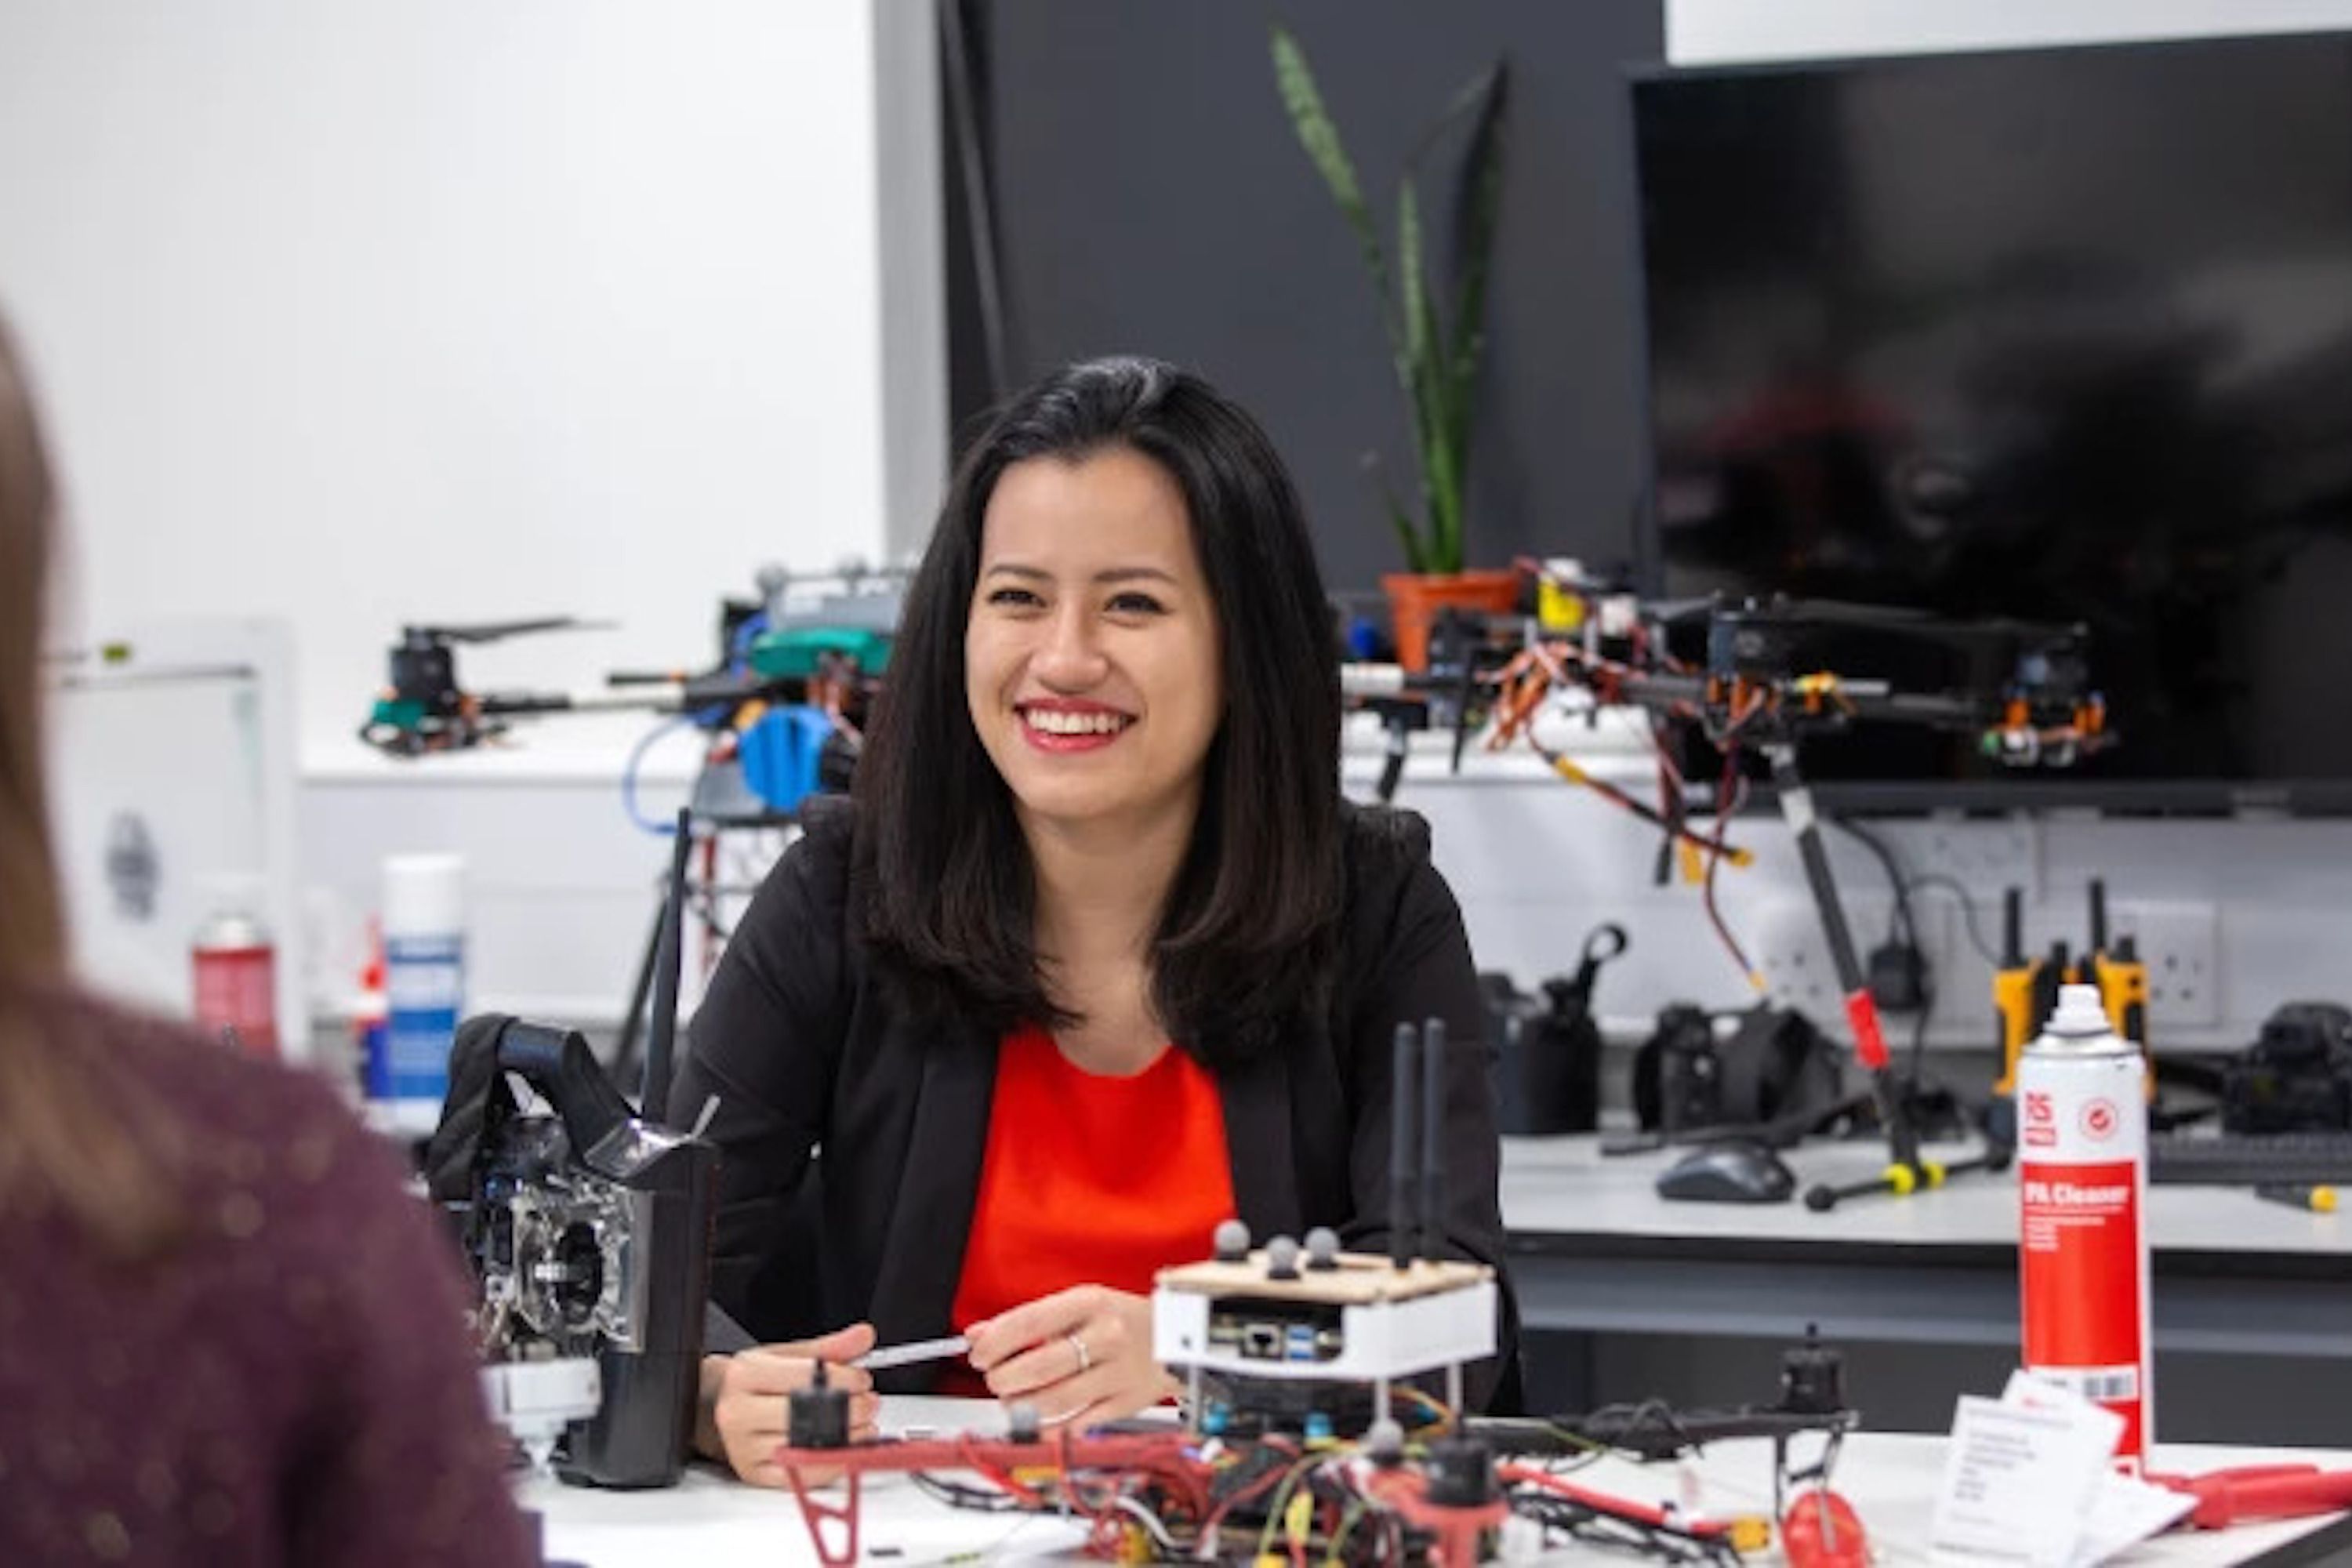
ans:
(227, 1336)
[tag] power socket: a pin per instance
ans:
(1984, 854)
(1785, 941)
(2181, 945)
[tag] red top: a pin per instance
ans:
(1089, 1179)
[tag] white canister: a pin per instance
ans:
(424, 983)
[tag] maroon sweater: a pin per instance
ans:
(290, 1385)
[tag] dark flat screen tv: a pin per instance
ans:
(2058, 334)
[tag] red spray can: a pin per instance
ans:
(236, 981)
(2082, 1262)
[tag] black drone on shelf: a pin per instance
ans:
(1755, 685)
(424, 710)
(821, 640)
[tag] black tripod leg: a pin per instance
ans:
(1400, 743)
(1861, 1007)
(627, 1061)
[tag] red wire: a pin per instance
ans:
(1725, 804)
(1250, 1493)
(1657, 744)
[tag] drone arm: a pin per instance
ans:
(663, 696)
(1936, 711)
(517, 704)
(1645, 1430)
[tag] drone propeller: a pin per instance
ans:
(1672, 610)
(495, 631)
(1838, 613)
(1826, 612)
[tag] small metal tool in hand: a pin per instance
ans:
(908, 1354)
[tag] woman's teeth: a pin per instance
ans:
(1056, 723)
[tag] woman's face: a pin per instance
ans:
(1090, 654)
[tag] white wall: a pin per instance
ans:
(445, 309)
(914, 271)
(1717, 32)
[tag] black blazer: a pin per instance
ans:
(827, 1081)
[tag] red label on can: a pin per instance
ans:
(2037, 1119)
(237, 988)
(2080, 1270)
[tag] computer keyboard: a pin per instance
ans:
(2247, 1159)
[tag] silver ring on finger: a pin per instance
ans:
(1086, 1359)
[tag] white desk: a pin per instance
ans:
(2233, 1274)
(712, 1521)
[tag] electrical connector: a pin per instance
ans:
(1898, 976)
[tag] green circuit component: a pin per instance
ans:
(796, 652)
(393, 713)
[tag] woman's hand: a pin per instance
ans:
(745, 1399)
(1081, 1356)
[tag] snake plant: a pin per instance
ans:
(1435, 351)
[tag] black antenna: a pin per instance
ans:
(1433, 1148)
(661, 1030)
(1400, 1178)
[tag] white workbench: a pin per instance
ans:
(1594, 1248)
(712, 1521)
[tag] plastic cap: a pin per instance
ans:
(233, 893)
(2080, 1014)
(424, 894)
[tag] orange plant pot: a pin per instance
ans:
(1415, 599)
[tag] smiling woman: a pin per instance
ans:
(1097, 958)
(1090, 653)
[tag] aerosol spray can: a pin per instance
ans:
(424, 986)
(371, 1016)
(236, 975)
(2081, 1148)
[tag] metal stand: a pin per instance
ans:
(719, 804)
(1905, 1172)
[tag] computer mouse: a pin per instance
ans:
(1729, 1173)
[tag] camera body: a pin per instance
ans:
(1678, 1073)
(1774, 1063)
(589, 1233)
(1544, 1057)
(2297, 1076)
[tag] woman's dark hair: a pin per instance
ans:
(1242, 946)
